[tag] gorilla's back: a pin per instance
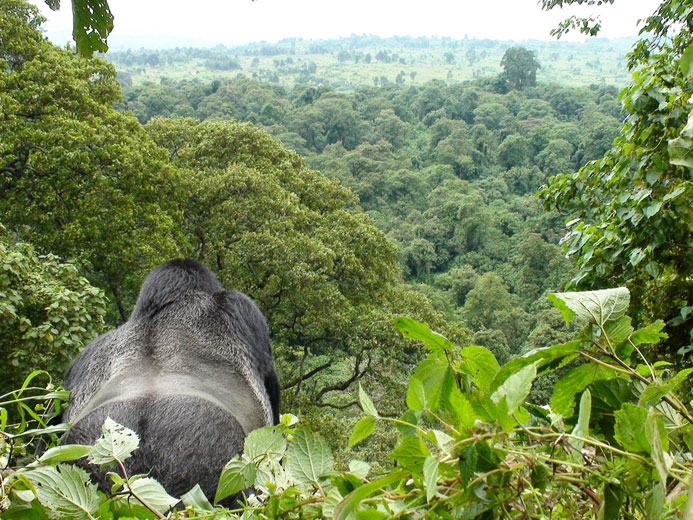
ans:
(185, 379)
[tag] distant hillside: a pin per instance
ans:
(347, 63)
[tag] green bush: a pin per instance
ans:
(615, 442)
(48, 312)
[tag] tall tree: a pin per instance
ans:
(520, 67)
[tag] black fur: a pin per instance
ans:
(191, 372)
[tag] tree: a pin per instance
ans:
(631, 215)
(520, 67)
(323, 275)
(78, 178)
(48, 312)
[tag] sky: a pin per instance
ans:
(163, 23)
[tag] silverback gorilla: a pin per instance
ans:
(191, 372)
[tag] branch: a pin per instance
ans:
(307, 375)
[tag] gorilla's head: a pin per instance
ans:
(168, 281)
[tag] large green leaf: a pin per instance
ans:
(346, 507)
(599, 307)
(651, 334)
(115, 444)
(65, 491)
(197, 499)
(548, 358)
(410, 453)
(437, 380)
(366, 403)
(629, 429)
(481, 364)
(516, 388)
(582, 427)
(657, 438)
(573, 382)
(420, 331)
(64, 452)
(430, 474)
(238, 474)
(264, 440)
(153, 493)
(362, 429)
(681, 148)
(309, 457)
(416, 396)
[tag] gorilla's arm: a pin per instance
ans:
(248, 322)
(90, 369)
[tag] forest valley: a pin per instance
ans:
(464, 208)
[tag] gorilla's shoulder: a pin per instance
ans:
(246, 318)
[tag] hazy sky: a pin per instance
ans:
(235, 21)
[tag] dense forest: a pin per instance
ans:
(463, 205)
(447, 172)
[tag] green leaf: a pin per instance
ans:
(681, 148)
(64, 452)
(65, 490)
(516, 388)
(582, 427)
(462, 408)
(686, 60)
(197, 499)
(416, 397)
(348, 506)
(366, 404)
(333, 498)
(467, 459)
(598, 307)
(636, 256)
(237, 475)
(611, 499)
(654, 431)
(481, 364)
(652, 209)
(437, 380)
(410, 453)
(629, 429)
(651, 334)
(115, 444)
(359, 468)
(263, 440)
(654, 505)
(153, 493)
(574, 381)
(543, 357)
(309, 457)
(414, 330)
(430, 474)
(672, 195)
(362, 429)
(652, 394)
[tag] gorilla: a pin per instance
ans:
(191, 372)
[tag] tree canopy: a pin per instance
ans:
(631, 215)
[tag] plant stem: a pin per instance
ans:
(139, 499)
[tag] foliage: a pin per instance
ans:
(91, 184)
(615, 442)
(92, 22)
(630, 213)
(77, 178)
(47, 312)
(520, 67)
